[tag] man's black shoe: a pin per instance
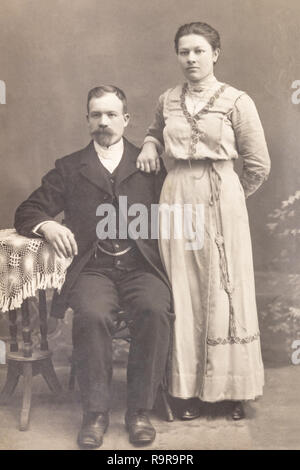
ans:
(93, 427)
(141, 431)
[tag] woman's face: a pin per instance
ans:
(196, 57)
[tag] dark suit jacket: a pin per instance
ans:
(78, 185)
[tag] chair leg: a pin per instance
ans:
(24, 419)
(50, 376)
(12, 379)
(72, 378)
(166, 404)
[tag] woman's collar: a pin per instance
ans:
(205, 84)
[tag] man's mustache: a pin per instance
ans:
(103, 131)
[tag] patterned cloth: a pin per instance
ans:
(26, 265)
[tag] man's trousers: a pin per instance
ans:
(95, 298)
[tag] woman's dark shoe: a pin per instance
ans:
(93, 427)
(191, 409)
(141, 431)
(238, 411)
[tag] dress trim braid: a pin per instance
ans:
(235, 340)
(192, 119)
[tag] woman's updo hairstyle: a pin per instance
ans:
(203, 29)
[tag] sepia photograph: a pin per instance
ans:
(149, 227)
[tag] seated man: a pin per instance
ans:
(106, 272)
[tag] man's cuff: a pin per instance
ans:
(38, 226)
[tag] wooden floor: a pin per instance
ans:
(273, 422)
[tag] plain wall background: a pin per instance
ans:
(53, 52)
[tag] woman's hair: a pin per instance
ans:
(203, 29)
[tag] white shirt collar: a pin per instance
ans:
(110, 152)
(111, 156)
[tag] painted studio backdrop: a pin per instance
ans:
(52, 53)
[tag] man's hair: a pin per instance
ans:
(102, 90)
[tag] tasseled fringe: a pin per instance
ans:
(40, 281)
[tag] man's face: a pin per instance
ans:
(106, 120)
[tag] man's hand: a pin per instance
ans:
(60, 237)
(148, 159)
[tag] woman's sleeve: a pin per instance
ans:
(155, 130)
(251, 144)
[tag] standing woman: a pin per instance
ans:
(204, 125)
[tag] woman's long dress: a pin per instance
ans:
(215, 351)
